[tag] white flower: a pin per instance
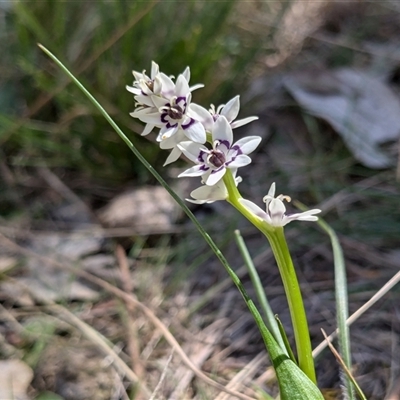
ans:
(212, 163)
(149, 91)
(209, 194)
(172, 115)
(230, 111)
(199, 114)
(157, 84)
(275, 210)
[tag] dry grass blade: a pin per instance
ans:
(248, 372)
(343, 365)
(377, 296)
(12, 246)
(162, 378)
(132, 334)
(90, 333)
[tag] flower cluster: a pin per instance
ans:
(205, 137)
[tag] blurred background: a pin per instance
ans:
(324, 79)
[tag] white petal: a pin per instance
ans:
(271, 194)
(222, 131)
(195, 87)
(199, 201)
(215, 176)
(244, 121)
(154, 69)
(305, 216)
(160, 101)
(252, 207)
(172, 141)
(167, 85)
(209, 194)
(140, 75)
(194, 171)
(144, 88)
(231, 109)
(271, 191)
(196, 132)
(144, 100)
(186, 73)
(147, 129)
(166, 133)
(153, 118)
(248, 144)
(173, 156)
(191, 150)
(200, 114)
(133, 90)
(276, 211)
(157, 85)
(181, 87)
(240, 161)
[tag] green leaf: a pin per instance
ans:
(294, 384)
(342, 306)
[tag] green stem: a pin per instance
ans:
(276, 238)
(269, 316)
(295, 300)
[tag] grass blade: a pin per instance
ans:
(342, 306)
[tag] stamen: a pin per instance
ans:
(175, 112)
(284, 197)
(150, 85)
(216, 158)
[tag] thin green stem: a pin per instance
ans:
(276, 238)
(295, 300)
(269, 316)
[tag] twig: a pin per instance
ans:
(377, 296)
(163, 375)
(132, 336)
(344, 366)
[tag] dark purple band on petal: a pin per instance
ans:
(166, 121)
(190, 123)
(202, 157)
(238, 149)
(225, 143)
(179, 99)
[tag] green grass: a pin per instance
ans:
(45, 121)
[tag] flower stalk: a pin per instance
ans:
(295, 300)
(276, 238)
